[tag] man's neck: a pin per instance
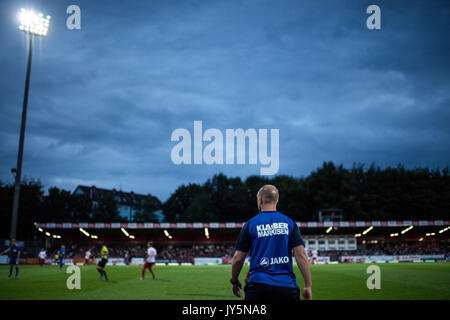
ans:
(266, 209)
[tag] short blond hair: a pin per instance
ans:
(268, 193)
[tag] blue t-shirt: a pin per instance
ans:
(62, 252)
(14, 251)
(270, 237)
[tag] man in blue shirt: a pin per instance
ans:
(61, 256)
(270, 237)
(14, 251)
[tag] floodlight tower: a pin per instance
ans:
(35, 25)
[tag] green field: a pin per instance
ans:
(343, 281)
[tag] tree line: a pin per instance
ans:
(373, 193)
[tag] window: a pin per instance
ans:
(332, 244)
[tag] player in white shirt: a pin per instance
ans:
(149, 260)
(42, 255)
(87, 257)
(314, 256)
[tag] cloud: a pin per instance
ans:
(104, 100)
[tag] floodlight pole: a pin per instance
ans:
(21, 143)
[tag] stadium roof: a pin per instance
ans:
(229, 231)
(234, 225)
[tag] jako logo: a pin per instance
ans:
(264, 262)
(277, 260)
(213, 153)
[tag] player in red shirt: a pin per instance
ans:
(42, 256)
(150, 260)
(87, 257)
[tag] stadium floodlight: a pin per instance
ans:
(94, 237)
(358, 235)
(33, 25)
(84, 232)
(406, 230)
(40, 230)
(206, 233)
(166, 233)
(131, 236)
(394, 234)
(367, 230)
(329, 229)
(124, 231)
(48, 234)
(430, 234)
(443, 230)
(421, 239)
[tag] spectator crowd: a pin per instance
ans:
(186, 253)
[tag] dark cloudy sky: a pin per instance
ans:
(105, 99)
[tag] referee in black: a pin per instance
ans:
(270, 238)
(102, 263)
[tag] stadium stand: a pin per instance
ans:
(185, 242)
(183, 253)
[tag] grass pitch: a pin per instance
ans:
(330, 282)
